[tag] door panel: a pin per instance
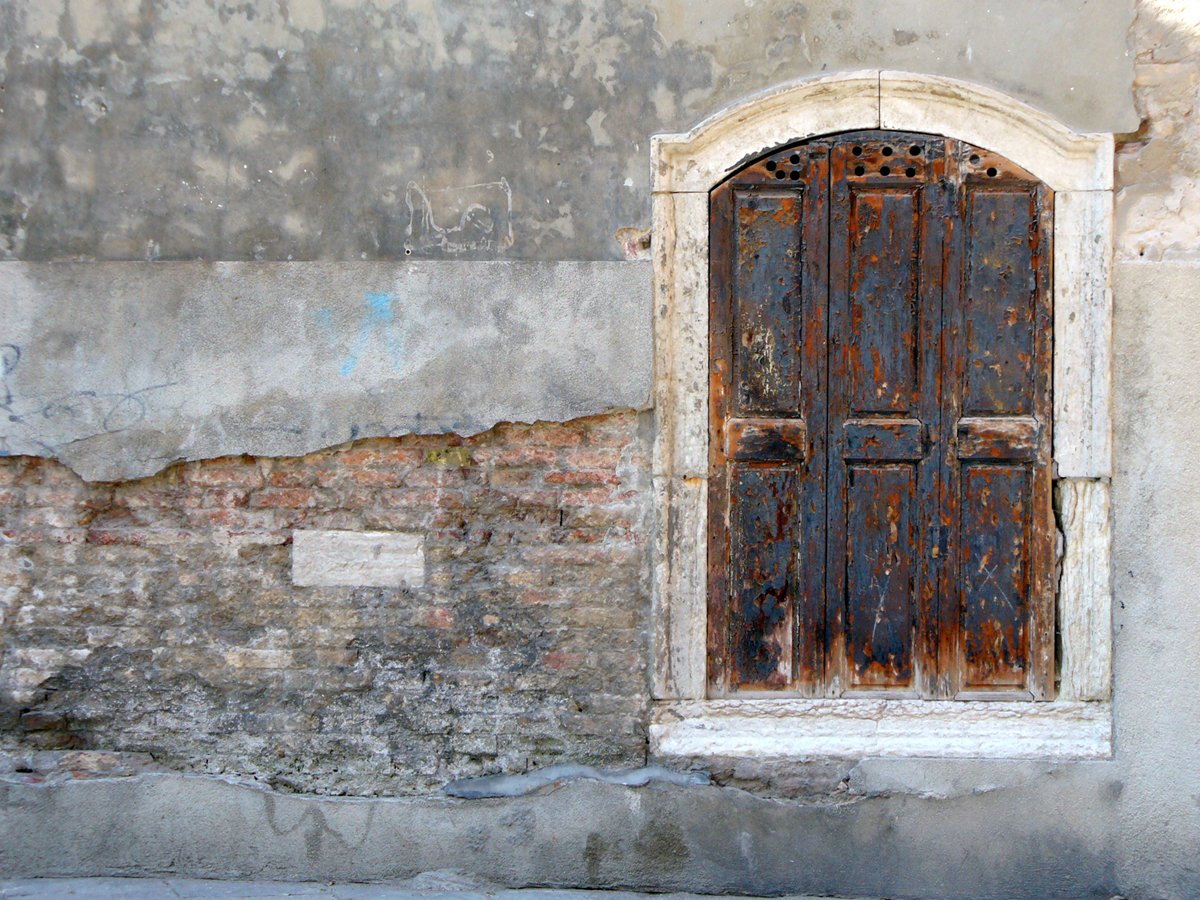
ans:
(993, 566)
(764, 527)
(766, 543)
(882, 313)
(886, 238)
(768, 325)
(879, 458)
(882, 516)
(998, 617)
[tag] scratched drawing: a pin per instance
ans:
(83, 414)
(473, 217)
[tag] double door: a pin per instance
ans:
(880, 513)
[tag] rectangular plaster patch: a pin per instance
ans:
(357, 558)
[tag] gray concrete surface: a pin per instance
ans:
(119, 369)
(584, 834)
(430, 886)
(326, 129)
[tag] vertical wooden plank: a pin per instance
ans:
(946, 626)
(767, 340)
(763, 518)
(995, 576)
(881, 566)
(720, 385)
(810, 618)
(886, 268)
(998, 576)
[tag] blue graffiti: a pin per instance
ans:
(377, 318)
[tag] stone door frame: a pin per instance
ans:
(1078, 167)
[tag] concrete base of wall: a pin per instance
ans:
(1009, 841)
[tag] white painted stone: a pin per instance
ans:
(357, 558)
(704, 156)
(1066, 160)
(1085, 590)
(805, 729)
(1083, 223)
(680, 658)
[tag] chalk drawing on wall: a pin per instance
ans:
(463, 219)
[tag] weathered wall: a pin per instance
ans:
(119, 369)
(1158, 174)
(323, 129)
(917, 828)
(159, 615)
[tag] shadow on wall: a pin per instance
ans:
(1158, 171)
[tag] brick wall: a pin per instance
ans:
(159, 615)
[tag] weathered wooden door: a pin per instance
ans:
(880, 516)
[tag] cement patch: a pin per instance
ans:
(585, 834)
(119, 369)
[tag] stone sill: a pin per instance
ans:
(807, 729)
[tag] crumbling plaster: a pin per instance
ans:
(119, 369)
(1158, 171)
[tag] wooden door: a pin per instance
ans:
(880, 519)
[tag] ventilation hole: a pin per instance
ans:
(857, 151)
(915, 150)
(974, 157)
(781, 174)
(910, 171)
(771, 166)
(887, 151)
(992, 172)
(884, 170)
(859, 170)
(795, 158)
(795, 176)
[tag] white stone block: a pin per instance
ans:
(357, 558)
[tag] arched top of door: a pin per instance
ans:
(700, 159)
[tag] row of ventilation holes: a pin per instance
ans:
(914, 150)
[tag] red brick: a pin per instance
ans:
(590, 476)
(284, 498)
(225, 474)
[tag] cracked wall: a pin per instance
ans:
(157, 615)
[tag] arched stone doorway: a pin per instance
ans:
(692, 717)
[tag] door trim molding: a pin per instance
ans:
(1077, 166)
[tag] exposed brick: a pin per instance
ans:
(160, 612)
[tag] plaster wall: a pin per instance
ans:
(119, 369)
(331, 129)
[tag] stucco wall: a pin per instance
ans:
(161, 134)
(307, 129)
